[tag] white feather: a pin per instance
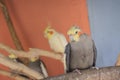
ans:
(58, 42)
(44, 70)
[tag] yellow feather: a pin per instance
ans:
(12, 56)
(33, 59)
(72, 32)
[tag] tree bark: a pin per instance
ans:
(106, 73)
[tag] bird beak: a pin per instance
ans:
(51, 32)
(79, 33)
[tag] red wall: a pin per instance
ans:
(30, 17)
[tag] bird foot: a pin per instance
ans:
(95, 68)
(78, 71)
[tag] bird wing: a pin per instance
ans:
(43, 68)
(68, 52)
(38, 66)
(94, 49)
(63, 40)
(58, 43)
(95, 53)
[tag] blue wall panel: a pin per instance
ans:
(104, 16)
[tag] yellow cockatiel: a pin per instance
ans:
(57, 42)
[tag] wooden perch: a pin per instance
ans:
(10, 75)
(107, 73)
(45, 53)
(33, 52)
(20, 68)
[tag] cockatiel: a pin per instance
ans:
(80, 51)
(57, 41)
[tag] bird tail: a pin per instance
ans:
(44, 71)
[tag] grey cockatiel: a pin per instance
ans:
(80, 51)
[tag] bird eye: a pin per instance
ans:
(76, 32)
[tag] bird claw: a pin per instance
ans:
(78, 71)
(95, 68)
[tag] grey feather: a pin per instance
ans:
(95, 54)
(81, 54)
(67, 52)
(38, 66)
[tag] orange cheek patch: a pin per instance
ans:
(51, 32)
(79, 33)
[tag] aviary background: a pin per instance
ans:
(30, 18)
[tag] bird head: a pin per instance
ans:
(49, 32)
(74, 33)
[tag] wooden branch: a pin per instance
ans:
(1, 3)
(107, 73)
(40, 52)
(6, 48)
(33, 52)
(20, 68)
(13, 32)
(10, 75)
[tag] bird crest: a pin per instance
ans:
(47, 28)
